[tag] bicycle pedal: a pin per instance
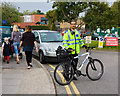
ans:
(78, 73)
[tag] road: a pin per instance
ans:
(108, 84)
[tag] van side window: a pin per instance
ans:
(36, 37)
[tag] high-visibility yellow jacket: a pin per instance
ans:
(69, 41)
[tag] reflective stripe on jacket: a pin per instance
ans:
(69, 41)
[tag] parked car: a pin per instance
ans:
(95, 36)
(0, 37)
(47, 41)
(111, 35)
(87, 34)
(22, 31)
(5, 31)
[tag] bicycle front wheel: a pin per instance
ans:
(64, 73)
(95, 69)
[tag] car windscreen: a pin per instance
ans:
(21, 30)
(6, 31)
(51, 37)
(96, 34)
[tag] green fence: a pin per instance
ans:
(119, 31)
(114, 30)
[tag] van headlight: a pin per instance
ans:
(48, 49)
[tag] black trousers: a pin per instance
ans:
(76, 61)
(28, 57)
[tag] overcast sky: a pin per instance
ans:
(33, 5)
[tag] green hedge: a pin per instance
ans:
(40, 28)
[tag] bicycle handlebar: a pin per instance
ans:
(88, 48)
(69, 50)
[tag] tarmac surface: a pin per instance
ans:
(17, 79)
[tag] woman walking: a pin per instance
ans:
(28, 40)
(16, 36)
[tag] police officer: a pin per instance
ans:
(72, 39)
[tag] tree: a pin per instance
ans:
(10, 13)
(51, 16)
(116, 6)
(39, 12)
(100, 14)
(69, 10)
(27, 12)
(109, 19)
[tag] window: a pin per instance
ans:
(36, 36)
(6, 31)
(51, 37)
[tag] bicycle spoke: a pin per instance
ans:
(94, 70)
(63, 75)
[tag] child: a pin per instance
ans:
(5, 49)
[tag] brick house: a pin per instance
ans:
(33, 20)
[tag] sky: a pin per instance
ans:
(33, 5)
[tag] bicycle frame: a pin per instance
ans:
(88, 54)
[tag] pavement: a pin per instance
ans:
(17, 79)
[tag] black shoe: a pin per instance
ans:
(74, 78)
(31, 65)
(66, 78)
(3, 60)
(7, 62)
(11, 56)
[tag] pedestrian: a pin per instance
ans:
(11, 47)
(72, 39)
(16, 36)
(5, 49)
(28, 40)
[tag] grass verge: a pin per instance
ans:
(105, 48)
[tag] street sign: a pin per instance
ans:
(88, 39)
(111, 41)
(100, 45)
(4, 22)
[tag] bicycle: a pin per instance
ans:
(64, 71)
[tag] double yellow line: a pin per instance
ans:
(66, 86)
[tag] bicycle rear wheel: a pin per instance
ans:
(64, 73)
(95, 69)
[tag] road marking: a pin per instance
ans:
(53, 71)
(72, 84)
(75, 89)
(66, 86)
